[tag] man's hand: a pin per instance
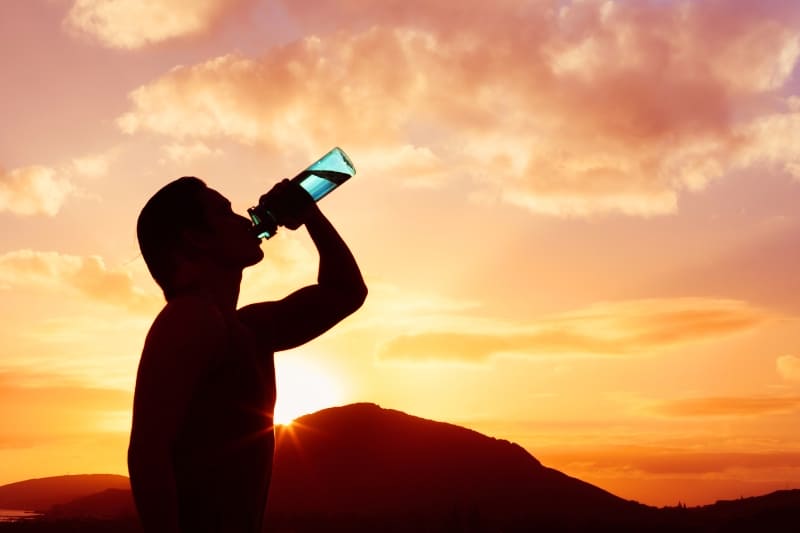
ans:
(290, 204)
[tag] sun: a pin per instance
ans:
(303, 388)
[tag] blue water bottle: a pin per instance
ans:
(319, 179)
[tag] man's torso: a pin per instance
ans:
(223, 457)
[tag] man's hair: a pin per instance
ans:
(175, 208)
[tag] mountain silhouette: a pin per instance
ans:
(347, 464)
(42, 494)
(364, 468)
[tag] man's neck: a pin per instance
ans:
(219, 287)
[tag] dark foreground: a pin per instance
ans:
(743, 516)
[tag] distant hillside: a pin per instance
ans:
(42, 494)
(104, 505)
(776, 512)
(364, 468)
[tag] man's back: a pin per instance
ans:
(224, 385)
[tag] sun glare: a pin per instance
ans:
(303, 388)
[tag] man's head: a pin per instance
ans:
(186, 222)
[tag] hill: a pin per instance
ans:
(349, 464)
(42, 494)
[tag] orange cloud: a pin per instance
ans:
(88, 275)
(33, 190)
(30, 408)
(616, 328)
(565, 109)
(671, 460)
(789, 367)
(134, 24)
(728, 406)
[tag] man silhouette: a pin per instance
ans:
(202, 441)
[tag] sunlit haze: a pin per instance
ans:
(303, 388)
(578, 219)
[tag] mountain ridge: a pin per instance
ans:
(39, 494)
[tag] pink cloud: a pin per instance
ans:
(184, 153)
(561, 108)
(87, 275)
(33, 190)
(135, 24)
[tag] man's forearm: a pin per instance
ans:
(337, 266)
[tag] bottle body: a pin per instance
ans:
(319, 179)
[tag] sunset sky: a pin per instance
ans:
(579, 219)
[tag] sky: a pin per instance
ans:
(577, 219)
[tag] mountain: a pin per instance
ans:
(42, 494)
(351, 463)
(364, 468)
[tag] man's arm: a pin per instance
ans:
(176, 356)
(310, 311)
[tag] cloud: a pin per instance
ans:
(673, 461)
(92, 166)
(727, 406)
(185, 152)
(87, 275)
(46, 407)
(563, 108)
(408, 308)
(33, 190)
(134, 24)
(615, 328)
(789, 367)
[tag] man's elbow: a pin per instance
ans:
(360, 295)
(355, 298)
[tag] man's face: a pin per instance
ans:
(230, 239)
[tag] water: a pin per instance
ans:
(325, 174)
(17, 515)
(336, 160)
(318, 183)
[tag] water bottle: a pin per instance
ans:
(319, 179)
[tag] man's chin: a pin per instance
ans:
(255, 259)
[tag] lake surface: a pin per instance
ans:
(15, 515)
